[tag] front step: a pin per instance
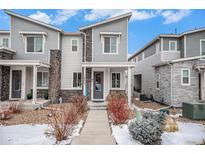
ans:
(97, 106)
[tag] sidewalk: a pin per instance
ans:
(96, 130)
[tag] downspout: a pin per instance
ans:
(171, 81)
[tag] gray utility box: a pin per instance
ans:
(195, 111)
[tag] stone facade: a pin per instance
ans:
(55, 76)
(180, 93)
(163, 94)
(41, 93)
(67, 95)
(5, 76)
(88, 33)
(185, 93)
(88, 81)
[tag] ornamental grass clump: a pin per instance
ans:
(149, 129)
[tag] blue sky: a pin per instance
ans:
(143, 26)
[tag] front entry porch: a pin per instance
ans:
(23, 76)
(100, 79)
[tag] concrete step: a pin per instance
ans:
(97, 107)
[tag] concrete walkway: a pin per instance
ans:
(96, 130)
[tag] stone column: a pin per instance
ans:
(54, 76)
(129, 85)
(34, 84)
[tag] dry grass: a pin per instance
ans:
(35, 117)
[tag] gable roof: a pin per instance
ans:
(126, 15)
(166, 35)
(32, 20)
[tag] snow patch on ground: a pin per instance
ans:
(31, 135)
(188, 134)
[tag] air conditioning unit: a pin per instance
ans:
(195, 111)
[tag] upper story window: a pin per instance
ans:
(185, 77)
(110, 44)
(74, 45)
(202, 47)
(115, 80)
(42, 79)
(34, 44)
(4, 42)
(172, 45)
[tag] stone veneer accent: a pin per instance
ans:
(88, 81)
(5, 76)
(41, 92)
(88, 33)
(54, 76)
(180, 93)
(66, 95)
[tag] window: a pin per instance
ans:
(74, 45)
(115, 80)
(110, 44)
(77, 80)
(172, 45)
(4, 42)
(202, 47)
(185, 77)
(157, 81)
(42, 79)
(34, 44)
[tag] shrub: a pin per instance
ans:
(149, 129)
(14, 108)
(5, 115)
(46, 95)
(29, 95)
(80, 103)
(118, 111)
(61, 123)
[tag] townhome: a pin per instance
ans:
(171, 68)
(39, 58)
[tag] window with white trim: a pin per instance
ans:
(115, 80)
(110, 44)
(4, 42)
(34, 44)
(185, 77)
(42, 79)
(202, 47)
(172, 45)
(74, 45)
(77, 80)
(157, 81)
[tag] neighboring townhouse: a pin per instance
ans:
(39, 58)
(170, 69)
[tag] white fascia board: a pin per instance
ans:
(110, 33)
(23, 63)
(108, 64)
(33, 33)
(186, 59)
(9, 50)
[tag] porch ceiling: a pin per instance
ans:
(108, 64)
(23, 63)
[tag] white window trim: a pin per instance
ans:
(115, 88)
(1, 40)
(33, 35)
(189, 72)
(42, 80)
(170, 45)
(72, 45)
(77, 88)
(158, 81)
(201, 40)
(103, 43)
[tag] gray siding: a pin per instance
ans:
(193, 43)
(150, 50)
(166, 43)
(116, 26)
(18, 44)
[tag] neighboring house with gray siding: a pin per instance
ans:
(171, 68)
(39, 58)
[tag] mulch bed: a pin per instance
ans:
(173, 111)
(35, 117)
